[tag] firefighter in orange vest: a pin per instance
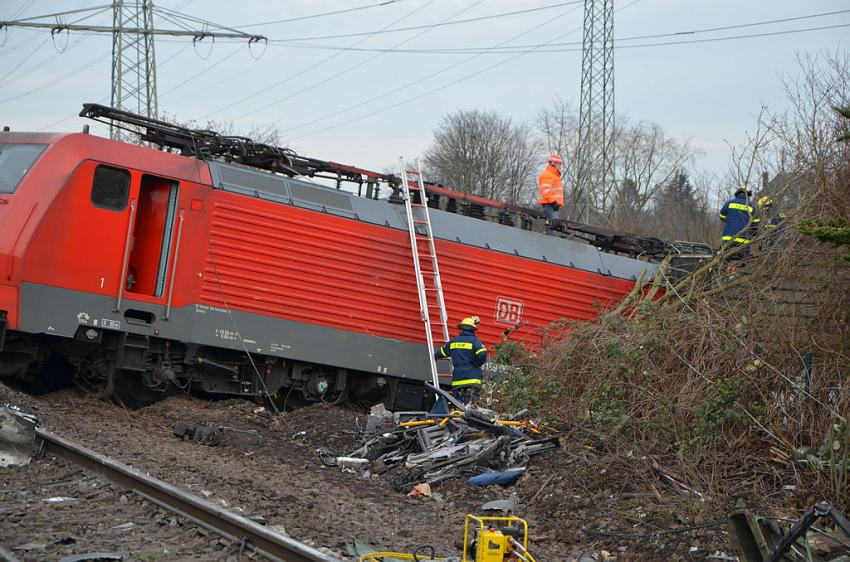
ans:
(550, 190)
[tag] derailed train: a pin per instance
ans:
(139, 271)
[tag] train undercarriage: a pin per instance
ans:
(136, 370)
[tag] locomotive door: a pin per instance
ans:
(150, 241)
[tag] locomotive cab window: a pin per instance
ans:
(15, 161)
(110, 188)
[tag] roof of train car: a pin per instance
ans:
(281, 189)
(143, 158)
(447, 226)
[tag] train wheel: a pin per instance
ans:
(129, 390)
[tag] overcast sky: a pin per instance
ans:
(707, 91)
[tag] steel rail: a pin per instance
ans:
(7, 556)
(234, 527)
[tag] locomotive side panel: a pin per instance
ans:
(77, 245)
(519, 294)
(310, 267)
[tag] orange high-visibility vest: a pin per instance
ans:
(550, 188)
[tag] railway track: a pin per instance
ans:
(249, 534)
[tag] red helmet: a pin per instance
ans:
(556, 159)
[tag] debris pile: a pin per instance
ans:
(18, 442)
(413, 448)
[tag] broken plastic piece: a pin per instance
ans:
(421, 490)
(502, 478)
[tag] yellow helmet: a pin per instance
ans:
(469, 323)
(765, 201)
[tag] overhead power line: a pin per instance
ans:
(22, 62)
(103, 99)
(367, 61)
(133, 60)
(423, 79)
(323, 14)
(198, 74)
(517, 48)
(60, 14)
(453, 82)
(53, 81)
(432, 25)
(309, 67)
(541, 48)
(51, 58)
(22, 8)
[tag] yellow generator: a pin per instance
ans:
(495, 539)
(485, 539)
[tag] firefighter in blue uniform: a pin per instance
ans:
(468, 354)
(773, 221)
(740, 222)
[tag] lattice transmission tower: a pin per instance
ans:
(133, 57)
(595, 183)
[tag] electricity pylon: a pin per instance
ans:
(133, 59)
(595, 175)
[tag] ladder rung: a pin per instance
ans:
(419, 221)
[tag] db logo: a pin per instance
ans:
(508, 311)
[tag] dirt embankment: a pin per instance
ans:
(574, 499)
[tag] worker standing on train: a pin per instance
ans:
(550, 190)
(468, 354)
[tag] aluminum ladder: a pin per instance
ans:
(428, 283)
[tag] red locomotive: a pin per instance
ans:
(140, 271)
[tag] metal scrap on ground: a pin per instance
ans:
(412, 448)
(17, 435)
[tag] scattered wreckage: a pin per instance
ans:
(420, 447)
(761, 539)
(18, 441)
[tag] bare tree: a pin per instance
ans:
(262, 135)
(483, 153)
(808, 129)
(558, 128)
(754, 156)
(647, 158)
